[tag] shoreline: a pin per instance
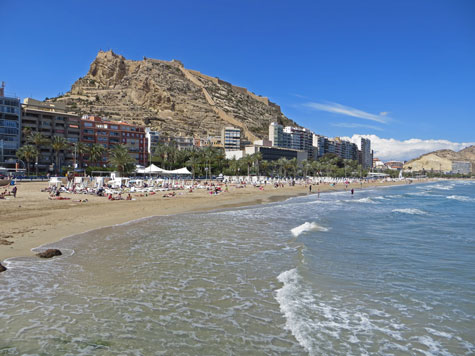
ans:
(31, 221)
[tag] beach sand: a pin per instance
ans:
(31, 220)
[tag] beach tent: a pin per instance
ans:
(150, 170)
(180, 171)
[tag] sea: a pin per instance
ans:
(386, 271)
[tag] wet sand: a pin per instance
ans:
(31, 220)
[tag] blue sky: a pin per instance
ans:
(396, 69)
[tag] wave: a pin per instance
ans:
(410, 211)
(443, 187)
(291, 307)
(312, 226)
(361, 200)
(461, 198)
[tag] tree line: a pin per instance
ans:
(202, 162)
(119, 157)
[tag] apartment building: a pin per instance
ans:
(96, 130)
(231, 138)
(10, 127)
(50, 119)
(366, 154)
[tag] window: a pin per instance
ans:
(88, 124)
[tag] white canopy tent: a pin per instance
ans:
(153, 169)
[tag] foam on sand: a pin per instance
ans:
(410, 211)
(307, 226)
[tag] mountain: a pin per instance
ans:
(441, 160)
(169, 98)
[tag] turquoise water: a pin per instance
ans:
(389, 271)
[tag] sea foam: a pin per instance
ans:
(460, 198)
(307, 226)
(291, 307)
(410, 211)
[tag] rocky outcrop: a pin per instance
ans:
(2, 268)
(169, 98)
(49, 253)
(441, 160)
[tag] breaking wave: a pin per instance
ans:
(410, 211)
(307, 226)
(460, 198)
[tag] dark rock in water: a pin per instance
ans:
(2, 268)
(49, 253)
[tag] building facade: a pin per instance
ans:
(461, 167)
(274, 153)
(366, 154)
(50, 119)
(95, 130)
(231, 138)
(10, 128)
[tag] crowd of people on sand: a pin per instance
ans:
(62, 189)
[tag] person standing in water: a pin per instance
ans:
(352, 191)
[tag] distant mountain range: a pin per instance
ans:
(169, 98)
(441, 160)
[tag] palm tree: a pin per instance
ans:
(248, 161)
(80, 149)
(28, 153)
(38, 140)
(59, 143)
(95, 152)
(209, 154)
(193, 161)
(281, 164)
(234, 165)
(120, 158)
(257, 160)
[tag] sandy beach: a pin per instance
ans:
(31, 219)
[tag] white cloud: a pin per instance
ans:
(392, 149)
(350, 125)
(349, 111)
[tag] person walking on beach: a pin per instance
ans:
(14, 191)
(310, 189)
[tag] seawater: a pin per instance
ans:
(387, 271)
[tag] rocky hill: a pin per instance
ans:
(169, 98)
(441, 160)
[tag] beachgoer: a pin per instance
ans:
(352, 191)
(129, 197)
(310, 189)
(319, 192)
(14, 191)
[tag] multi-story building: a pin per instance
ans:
(295, 138)
(274, 153)
(10, 127)
(278, 137)
(346, 149)
(95, 130)
(366, 154)
(319, 145)
(461, 167)
(50, 119)
(231, 138)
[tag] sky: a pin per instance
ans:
(402, 71)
